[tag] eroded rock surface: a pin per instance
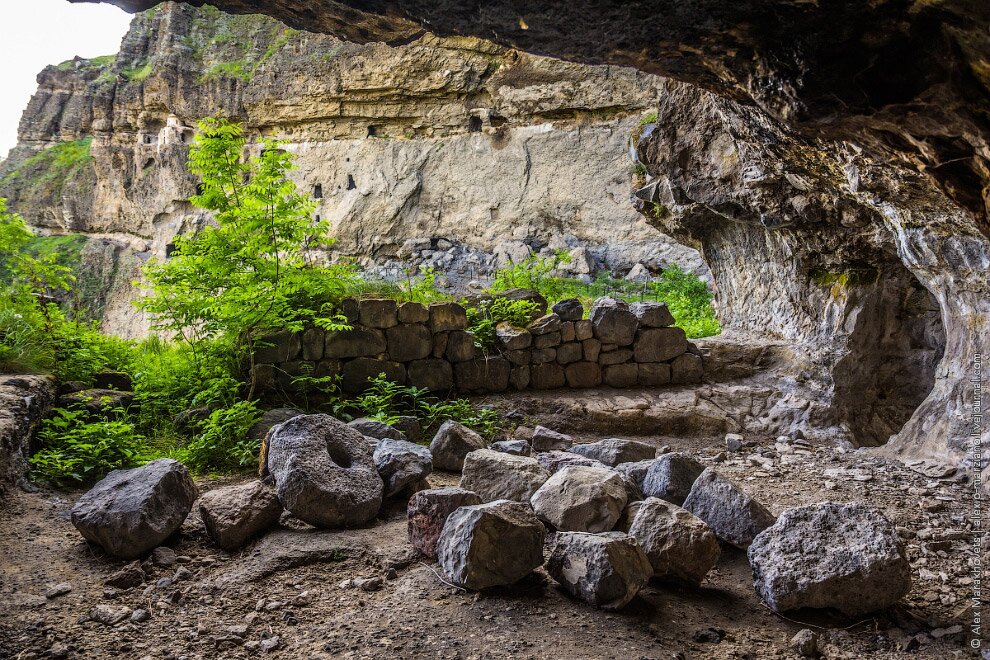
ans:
(606, 570)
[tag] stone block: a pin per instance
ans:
(519, 377)
(447, 316)
(356, 373)
(621, 375)
(355, 343)
(313, 343)
(413, 312)
(433, 374)
(583, 330)
(407, 342)
(659, 344)
(569, 352)
(686, 369)
(618, 356)
(546, 376)
(548, 340)
(460, 346)
(582, 375)
(378, 312)
(652, 374)
(591, 348)
(482, 375)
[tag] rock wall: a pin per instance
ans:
(24, 402)
(431, 347)
(457, 142)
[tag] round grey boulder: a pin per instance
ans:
(324, 471)
(581, 499)
(842, 556)
(452, 443)
(679, 545)
(401, 463)
(489, 545)
(606, 570)
(130, 512)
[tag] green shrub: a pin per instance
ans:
(484, 318)
(222, 444)
(78, 450)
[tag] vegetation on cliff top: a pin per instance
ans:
(53, 165)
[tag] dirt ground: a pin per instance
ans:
(290, 595)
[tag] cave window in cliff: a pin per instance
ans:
(350, 182)
(474, 124)
(372, 131)
(169, 249)
(318, 191)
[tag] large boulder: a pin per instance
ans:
(270, 418)
(671, 477)
(581, 499)
(635, 472)
(545, 439)
(324, 471)
(734, 516)
(659, 344)
(234, 514)
(652, 314)
(491, 544)
(401, 463)
(130, 512)
(612, 321)
(427, 514)
(375, 429)
(452, 443)
(842, 556)
(613, 451)
(495, 475)
(555, 461)
(606, 570)
(569, 309)
(679, 545)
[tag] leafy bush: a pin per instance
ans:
(222, 443)
(536, 273)
(78, 450)
(483, 318)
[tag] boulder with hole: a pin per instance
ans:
(130, 512)
(490, 545)
(324, 471)
(606, 570)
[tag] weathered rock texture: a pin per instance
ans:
(234, 514)
(606, 570)
(427, 513)
(831, 164)
(843, 556)
(454, 152)
(24, 402)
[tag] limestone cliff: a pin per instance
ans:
(829, 158)
(451, 151)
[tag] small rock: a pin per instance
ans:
(613, 451)
(163, 556)
(401, 463)
(270, 644)
(109, 615)
(545, 439)
(555, 461)
(514, 447)
(60, 589)
(452, 442)
(140, 615)
(375, 429)
(606, 570)
(368, 584)
(128, 577)
(805, 644)
(733, 442)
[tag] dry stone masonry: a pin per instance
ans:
(620, 345)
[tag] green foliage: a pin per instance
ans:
(82, 350)
(222, 443)
(101, 62)
(138, 72)
(79, 450)
(648, 118)
(53, 165)
(255, 269)
(239, 69)
(483, 318)
(386, 401)
(689, 300)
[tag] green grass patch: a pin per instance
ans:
(53, 165)
(138, 73)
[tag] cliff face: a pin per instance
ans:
(830, 159)
(468, 151)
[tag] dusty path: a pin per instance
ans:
(293, 585)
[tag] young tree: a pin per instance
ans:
(255, 268)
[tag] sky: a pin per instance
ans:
(36, 33)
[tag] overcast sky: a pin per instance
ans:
(36, 33)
